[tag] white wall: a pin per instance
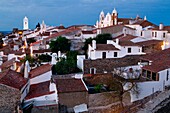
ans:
(159, 35)
(96, 54)
(146, 89)
(86, 36)
(25, 90)
(41, 78)
(80, 60)
(163, 77)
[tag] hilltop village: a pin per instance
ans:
(117, 65)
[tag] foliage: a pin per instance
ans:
(98, 88)
(100, 39)
(69, 65)
(30, 40)
(60, 44)
(38, 25)
(30, 59)
(44, 58)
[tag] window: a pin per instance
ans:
(152, 34)
(129, 50)
(115, 54)
(141, 33)
(92, 70)
(104, 55)
(164, 35)
(167, 75)
(154, 76)
(155, 34)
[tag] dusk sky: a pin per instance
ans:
(70, 12)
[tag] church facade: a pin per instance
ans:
(108, 20)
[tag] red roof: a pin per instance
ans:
(126, 37)
(145, 23)
(160, 60)
(39, 89)
(12, 79)
(127, 43)
(8, 63)
(62, 33)
(41, 51)
(109, 47)
(40, 70)
(70, 85)
(149, 42)
(35, 43)
(157, 66)
(87, 32)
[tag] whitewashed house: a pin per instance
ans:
(40, 74)
(42, 94)
(113, 49)
(156, 69)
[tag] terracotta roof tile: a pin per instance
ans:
(87, 32)
(39, 89)
(8, 63)
(126, 37)
(40, 70)
(160, 60)
(12, 79)
(100, 47)
(127, 43)
(149, 42)
(70, 85)
(145, 23)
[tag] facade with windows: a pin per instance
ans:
(113, 49)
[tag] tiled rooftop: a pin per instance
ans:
(40, 70)
(70, 85)
(12, 79)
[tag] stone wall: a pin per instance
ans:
(108, 65)
(45, 109)
(72, 99)
(9, 99)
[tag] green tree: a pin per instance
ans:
(44, 58)
(60, 44)
(68, 65)
(100, 39)
(31, 40)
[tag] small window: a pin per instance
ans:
(104, 55)
(141, 33)
(155, 34)
(129, 50)
(164, 35)
(92, 70)
(167, 75)
(115, 54)
(152, 34)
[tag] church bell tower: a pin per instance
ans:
(25, 23)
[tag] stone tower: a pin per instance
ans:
(25, 23)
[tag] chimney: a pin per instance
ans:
(94, 44)
(26, 69)
(59, 54)
(53, 59)
(117, 41)
(161, 26)
(145, 18)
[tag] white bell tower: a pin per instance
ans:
(25, 23)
